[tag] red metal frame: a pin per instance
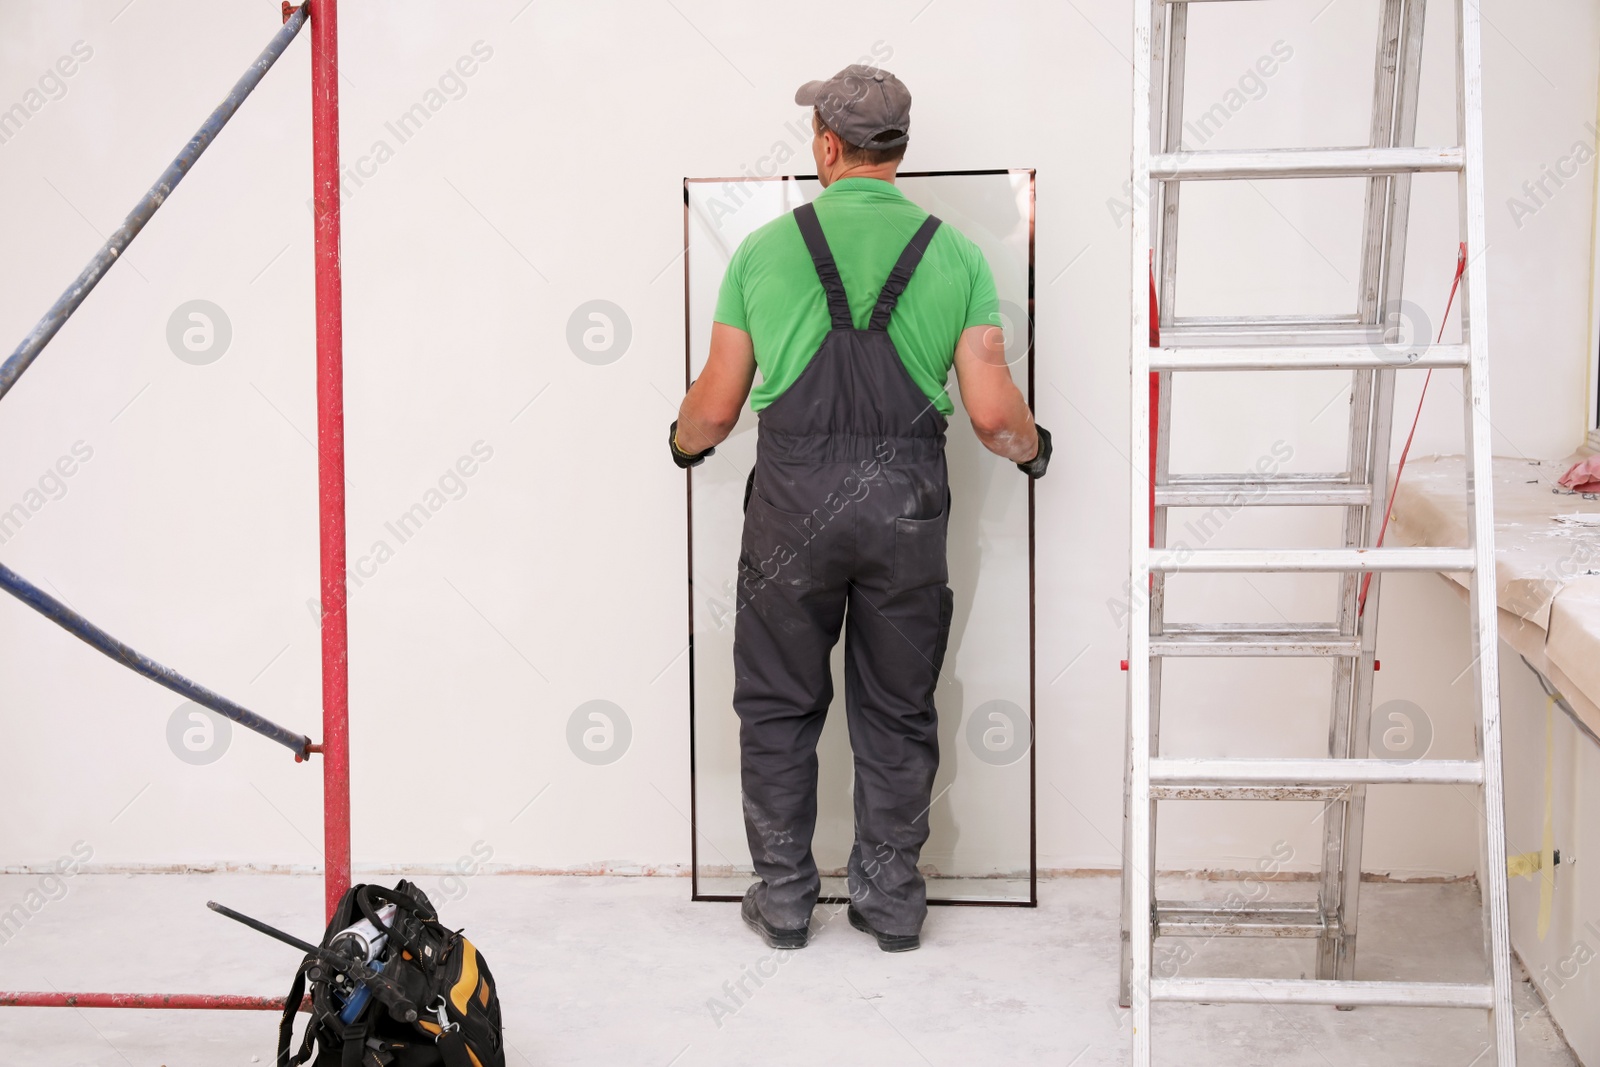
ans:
(330, 451)
(212, 1001)
(335, 746)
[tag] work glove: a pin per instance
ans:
(683, 459)
(1035, 467)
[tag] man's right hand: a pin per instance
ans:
(683, 459)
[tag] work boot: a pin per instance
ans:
(774, 936)
(887, 942)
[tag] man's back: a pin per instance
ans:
(771, 290)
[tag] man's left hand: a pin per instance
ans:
(683, 459)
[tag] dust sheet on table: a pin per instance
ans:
(1547, 549)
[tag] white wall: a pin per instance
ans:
(555, 579)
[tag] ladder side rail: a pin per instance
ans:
(1166, 135)
(1140, 850)
(1386, 87)
(1396, 230)
(1153, 192)
(1336, 816)
(1158, 589)
(1393, 262)
(1355, 743)
(1171, 126)
(1480, 499)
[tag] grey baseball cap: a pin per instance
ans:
(867, 106)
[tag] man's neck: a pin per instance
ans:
(880, 173)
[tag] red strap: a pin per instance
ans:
(1155, 306)
(1461, 267)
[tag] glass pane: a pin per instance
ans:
(980, 845)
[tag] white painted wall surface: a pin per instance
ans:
(552, 576)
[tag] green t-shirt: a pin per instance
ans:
(772, 293)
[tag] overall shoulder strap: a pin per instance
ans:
(827, 270)
(898, 278)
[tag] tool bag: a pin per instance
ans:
(439, 980)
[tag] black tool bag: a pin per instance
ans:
(437, 1006)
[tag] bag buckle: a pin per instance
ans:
(445, 1025)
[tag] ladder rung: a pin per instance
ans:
(1250, 792)
(1312, 559)
(1299, 629)
(1308, 357)
(1165, 770)
(1210, 918)
(1302, 163)
(1242, 490)
(1289, 330)
(1240, 336)
(1309, 991)
(1347, 318)
(1275, 641)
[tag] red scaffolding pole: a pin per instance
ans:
(330, 450)
(208, 1001)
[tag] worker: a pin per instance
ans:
(853, 308)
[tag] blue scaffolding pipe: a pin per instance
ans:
(84, 284)
(92, 635)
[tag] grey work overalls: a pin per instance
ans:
(846, 508)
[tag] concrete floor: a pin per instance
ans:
(628, 971)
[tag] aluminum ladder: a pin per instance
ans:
(1366, 343)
